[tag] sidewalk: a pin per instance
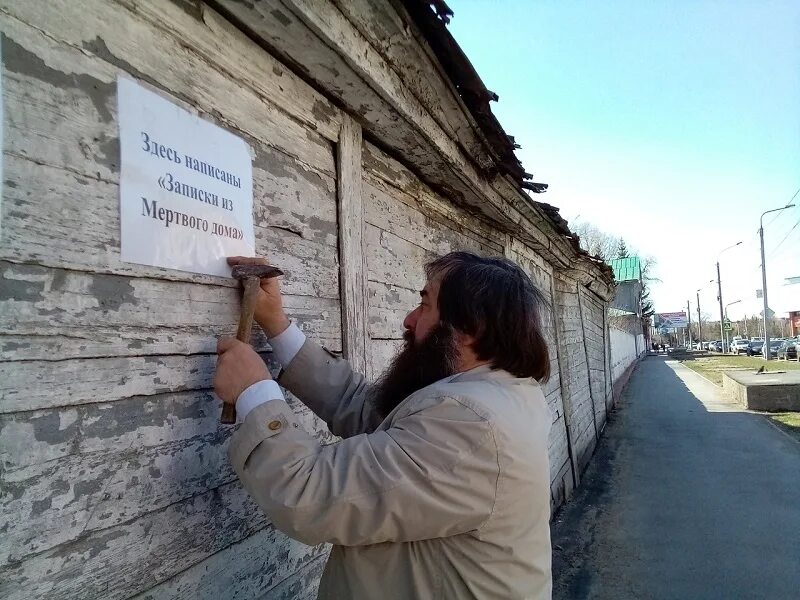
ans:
(687, 497)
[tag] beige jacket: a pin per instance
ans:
(448, 497)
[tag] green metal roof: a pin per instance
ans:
(627, 269)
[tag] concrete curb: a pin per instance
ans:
(752, 412)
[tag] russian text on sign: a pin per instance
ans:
(186, 189)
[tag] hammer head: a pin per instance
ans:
(260, 271)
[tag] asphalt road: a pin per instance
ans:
(686, 497)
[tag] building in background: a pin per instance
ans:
(628, 295)
(794, 323)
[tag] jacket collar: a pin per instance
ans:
(485, 372)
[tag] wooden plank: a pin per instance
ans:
(303, 585)
(393, 260)
(262, 565)
(34, 384)
(219, 42)
(42, 437)
(388, 307)
(52, 314)
(74, 52)
(121, 561)
(299, 47)
(410, 55)
(395, 212)
(69, 471)
(31, 385)
(595, 350)
(566, 384)
(352, 255)
(74, 470)
(380, 168)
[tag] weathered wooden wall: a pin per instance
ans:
(114, 474)
(114, 481)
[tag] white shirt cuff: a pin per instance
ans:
(256, 395)
(287, 344)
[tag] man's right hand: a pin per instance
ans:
(269, 306)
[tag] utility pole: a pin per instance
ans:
(764, 290)
(689, 316)
(719, 296)
(699, 321)
(764, 276)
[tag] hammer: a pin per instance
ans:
(250, 276)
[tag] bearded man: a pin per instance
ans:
(440, 485)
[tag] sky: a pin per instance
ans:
(673, 124)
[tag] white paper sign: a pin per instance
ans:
(186, 186)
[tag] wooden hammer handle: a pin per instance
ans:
(251, 285)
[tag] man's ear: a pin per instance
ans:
(464, 340)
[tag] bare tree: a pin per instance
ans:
(595, 242)
(608, 247)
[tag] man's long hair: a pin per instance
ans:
(494, 301)
(490, 299)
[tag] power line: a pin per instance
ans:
(771, 254)
(778, 214)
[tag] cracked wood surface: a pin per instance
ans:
(352, 259)
(78, 314)
(117, 561)
(95, 466)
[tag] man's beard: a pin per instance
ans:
(416, 366)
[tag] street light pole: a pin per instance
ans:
(719, 293)
(689, 316)
(764, 276)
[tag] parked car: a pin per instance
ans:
(755, 347)
(773, 348)
(739, 346)
(788, 350)
(715, 346)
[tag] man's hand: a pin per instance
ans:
(238, 367)
(269, 306)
